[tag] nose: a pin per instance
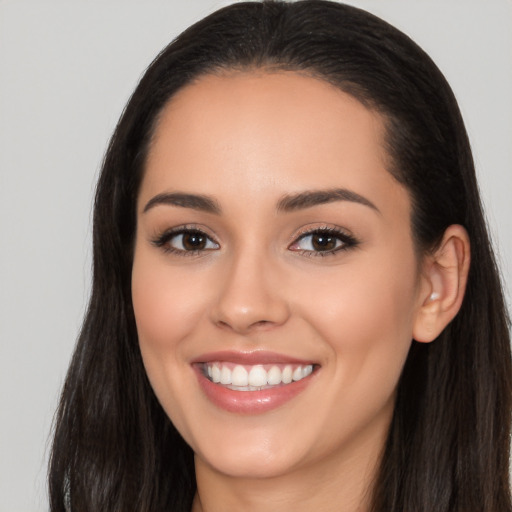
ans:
(251, 295)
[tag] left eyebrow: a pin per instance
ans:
(290, 203)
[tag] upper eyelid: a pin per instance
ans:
(349, 241)
(322, 228)
(163, 242)
(297, 235)
(186, 228)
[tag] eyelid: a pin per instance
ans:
(345, 236)
(348, 241)
(162, 239)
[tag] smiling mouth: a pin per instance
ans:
(258, 377)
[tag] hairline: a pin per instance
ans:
(270, 67)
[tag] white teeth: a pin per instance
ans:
(251, 378)
(287, 375)
(225, 375)
(274, 376)
(257, 376)
(297, 373)
(239, 376)
(215, 373)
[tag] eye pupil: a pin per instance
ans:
(323, 242)
(193, 241)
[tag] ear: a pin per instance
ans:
(443, 283)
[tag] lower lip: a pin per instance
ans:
(250, 402)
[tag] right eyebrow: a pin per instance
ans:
(194, 201)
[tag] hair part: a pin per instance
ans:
(448, 446)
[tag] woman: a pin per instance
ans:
(283, 312)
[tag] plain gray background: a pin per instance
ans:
(66, 70)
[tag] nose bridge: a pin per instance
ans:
(250, 293)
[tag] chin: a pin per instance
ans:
(248, 466)
(250, 454)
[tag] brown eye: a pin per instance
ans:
(193, 241)
(188, 241)
(320, 242)
(323, 242)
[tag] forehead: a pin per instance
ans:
(256, 132)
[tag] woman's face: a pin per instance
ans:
(275, 283)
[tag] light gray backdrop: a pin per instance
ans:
(66, 70)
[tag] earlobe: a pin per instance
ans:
(444, 279)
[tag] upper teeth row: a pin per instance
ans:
(257, 376)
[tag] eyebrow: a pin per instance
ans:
(290, 203)
(194, 201)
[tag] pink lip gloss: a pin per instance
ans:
(254, 398)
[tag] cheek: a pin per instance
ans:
(167, 306)
(166, 303)
(365, 323)
(365, 313)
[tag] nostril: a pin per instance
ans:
(261, 323)
(245, 309)
(258, 325)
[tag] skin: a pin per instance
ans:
(247, 140)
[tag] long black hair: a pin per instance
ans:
(447, 449)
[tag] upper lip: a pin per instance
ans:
(249, 358)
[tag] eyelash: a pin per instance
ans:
(163, 240)
(345, 241)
